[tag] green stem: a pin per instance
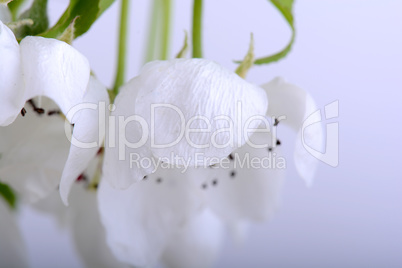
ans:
(121, 64)
(167, 6)
(197, 29)
(153, 32)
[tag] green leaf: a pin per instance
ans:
(8, 194)
(38, 14)
(103, 5)
(68, 35)
(87, 12)
(14, 7)
(286, 8)
(183, 51)
(248, 60)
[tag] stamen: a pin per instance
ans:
(100, 151)
(270, 149)
(159, 180)
(214, 182)
(233, 173)
(278, 142)
(231, 157)
(204, 186)
(23, 111)
(40, 111)
(145, 177)
(276, 122)
(81, 177)
(53, 112)
(35, 108)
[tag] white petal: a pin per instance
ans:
(5, 14)
(33, 153)
(196, 87)
(53, 206)
(117, 167)
(89, 130)
(12, 248)
(196, 244)
(88, 231)
(54, 69)
(247, 187)
(11, 86)
(140, 220)
(82, 219)
(297, 105)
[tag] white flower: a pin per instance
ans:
(161, 216)
(5, 15)
(297, 105)
(81, 219)
(179, 218)
(142, 221)
(51, 68)
(191, 88)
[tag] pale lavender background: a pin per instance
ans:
(346, 50)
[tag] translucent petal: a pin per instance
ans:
(5, 14)
(11, 86)
(82, 219)
(196, 244)
(88, 231)
(190, 88)
(121, 149)
(297, 105)
(33, 152)
(54, 69)
(248, 185)
(140, 220)
(89, 124)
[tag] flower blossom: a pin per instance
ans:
(158, 218)
(165, 97)
(45, 68)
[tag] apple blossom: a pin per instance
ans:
(44, 67)
(155, 107)
(140, 221)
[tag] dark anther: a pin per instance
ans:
(231, 157)
(233, 173)
(81, 177)
(23, 111)
(53, 112)
(145, 177)
(269, 149)
(35, 108)
(204, 186)
(278, 142)
(159, 180)
(100, 151)
(96, 185)
(214, 182)
(276, 122)
(40, 110)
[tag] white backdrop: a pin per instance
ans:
(346, 50)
